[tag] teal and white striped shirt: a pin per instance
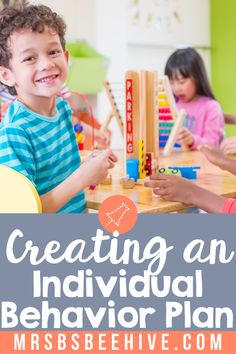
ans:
(42, 148)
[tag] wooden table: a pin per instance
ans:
(209, 177)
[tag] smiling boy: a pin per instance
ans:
(36, 136)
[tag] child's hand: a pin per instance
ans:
(112, 159)
(97, 165)
(178, 189)
(102, 138)
(213, 154)
(185, 137)
(228, 145)
(170, 187)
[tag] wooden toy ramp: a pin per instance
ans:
(114, 92)
(18, 195)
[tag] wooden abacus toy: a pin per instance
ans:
(115, 110)
(141, 139)
(170, 119)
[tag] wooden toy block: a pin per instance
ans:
(148, 164)
(142, 172)
(169, 171)
(132, 168)
(189, 172)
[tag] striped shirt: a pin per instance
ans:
(42, 148)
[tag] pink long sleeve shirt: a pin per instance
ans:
(229, 206)
(205, 119)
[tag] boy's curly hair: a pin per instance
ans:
(26, 16)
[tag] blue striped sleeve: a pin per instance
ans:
(16, 151)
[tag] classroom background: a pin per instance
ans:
(141, 34)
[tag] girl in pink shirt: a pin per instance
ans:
(190, 85)
(205, 124)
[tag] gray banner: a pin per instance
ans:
(108, 282)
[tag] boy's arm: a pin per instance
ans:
(55, 199)
(93, 171)
(18, 153)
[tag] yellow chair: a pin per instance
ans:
(17, 193)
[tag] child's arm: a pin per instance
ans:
(217, 157)
(18, 153)
(228, 145)
(185, 137)
(93, 171)
(230, 118)
(170, 187)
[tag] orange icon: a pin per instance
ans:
(118, 213)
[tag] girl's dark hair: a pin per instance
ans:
(26, 16)
(188, 63)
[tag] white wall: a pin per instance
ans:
(68, 9)
(151, 42)
(112, 42)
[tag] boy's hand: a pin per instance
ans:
(185, 137)
(228, 145)
(213, 154)
(170, 187)
(112, 159)
(95, 168)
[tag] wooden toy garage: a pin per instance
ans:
(141, 123)
(148, 104)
